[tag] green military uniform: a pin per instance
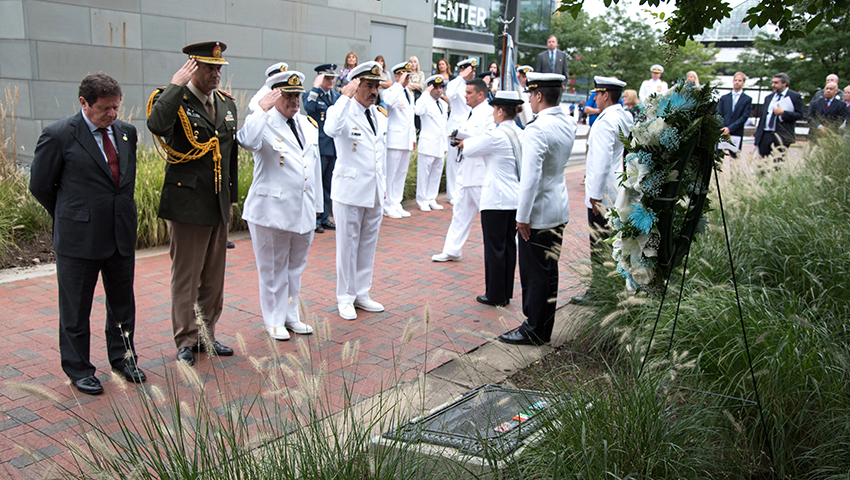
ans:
(200, 186)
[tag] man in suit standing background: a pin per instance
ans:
(735, 108)
(827, 112)
(553, 60)
(198, 123)
(84, 174)
(776, 124)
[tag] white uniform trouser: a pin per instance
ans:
(356, 238)
(397, 163)
(451, 174)
(463, 213)
(428, 173)
(281, 258)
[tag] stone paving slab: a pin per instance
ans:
(405, 281)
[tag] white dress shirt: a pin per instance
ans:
(605, 155)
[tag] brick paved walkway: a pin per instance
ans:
(405, 281)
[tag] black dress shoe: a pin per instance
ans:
(132, 372)
(220, 350)
(230, 244)
(518, 338)
(486, 301)
(329, 226)
(89, 385)
(320, 229)
(184, 354)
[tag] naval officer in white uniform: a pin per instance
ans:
(470, 173)
(285, 195)
(270, 72)
(456, 93)
(501, 150)
(433, 143)
(653, 85)
(604, 166)
(401, 138)
(359, 130)
(543, 209)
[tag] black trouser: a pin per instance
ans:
(77, 278)
(599, 232)
(768, 140)
(538, 273)
(328, 162)
(499, 231)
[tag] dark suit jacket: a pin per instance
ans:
(316, 103)
(72, 180)
(561, 64)
(734, 119)
(188, 193)
(832, 118)
(785, 123)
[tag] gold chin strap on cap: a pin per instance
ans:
(198, 150)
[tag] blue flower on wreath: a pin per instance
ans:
(674, 102)
(627, 276)
(670, 139)
(642, 157)
(642, 218)
(651, 184)
(617, 223)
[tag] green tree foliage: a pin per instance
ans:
(619, 45)
(795, 18)
(808, 60)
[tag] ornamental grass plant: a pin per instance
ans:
(789, 241)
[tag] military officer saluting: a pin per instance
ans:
(283, 199)
(359, 130)
(653, 85)
(270, 72)
(316, 104)
(195, 124)
(401, 138)
(456, 93)
(433, 143)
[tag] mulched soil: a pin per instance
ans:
(571, 363)
(37, 251)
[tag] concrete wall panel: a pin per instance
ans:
(23, 109)
(188, 9)
(55, 62)
(163, 33)
(116, 29)
(54, 100)
(123, 5)
(12, 19)
(338, 48)
(58, 22)
(272, 14)
(15, 59)
(159, 67)
(244, 42)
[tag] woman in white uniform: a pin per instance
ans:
(284, 198)
(501, 150)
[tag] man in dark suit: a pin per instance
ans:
(776, 124)
(84, 174)
(316, 103)
(198, 123)
(735, 108)
(827, 112)
(553, 60)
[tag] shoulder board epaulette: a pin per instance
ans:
(223, 94)
(315, 124)
(532, 121)
(383, 110)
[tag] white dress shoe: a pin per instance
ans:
(435, 206)
(425, 208)
(369, 305)
(346, 311)
(452, 201)
(391, 214)
(444, 257)
(277, 333)
(300, 328)
(402, 212)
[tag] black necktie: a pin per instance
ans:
(440, 107)
(291, 122)
(407, 95)
(371, 124)
(773, 115)
(469, 116)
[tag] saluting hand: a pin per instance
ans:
(318, 81)
(351, 87)
(269, 100)
(185, 73)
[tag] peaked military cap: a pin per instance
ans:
(524, 69)
(656, 68)
(402, 67)
(207, 52)
(276, 68)
(540, 80)
(506, 97)
(367, 71)
(608, 84)
(473, 62)
(327, 69)
(436, 80)
(289, 81)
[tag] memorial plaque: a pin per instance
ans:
(492, 418)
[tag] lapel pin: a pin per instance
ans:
(125, 137)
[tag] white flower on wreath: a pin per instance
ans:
(624, 201)
(641, 275)
(649, 133)
(635, 173)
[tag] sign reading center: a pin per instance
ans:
(463, 14)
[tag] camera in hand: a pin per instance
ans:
(453, 136)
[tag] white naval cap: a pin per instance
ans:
(289, 81)
(537, 80)
(524, 69)
(402, 67)
(656, 68)
(366, 71)
(507, 97)
(276, 68)
(436, 80)
(468, 62)
(608, 84)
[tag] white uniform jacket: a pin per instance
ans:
(605, 155)
(546, 147)
(500, 190)
(649, 87)
(286, 192)
(456, 93)
(401, 132)
(470, 172)
(358, 178)
(433, 114)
